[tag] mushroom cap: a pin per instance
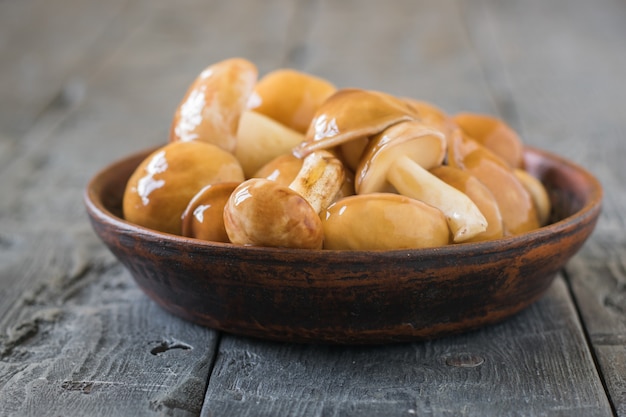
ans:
(421, 143)
(518, 211)
(204, 216)
(261, 212)
(282, 169)
(161, 186)
(290, 97)
(383, 221)
(479, 194)
(494, 134)
(538, 193)
(260, 139)
(432, 115)
(351, 114)
(212, 105)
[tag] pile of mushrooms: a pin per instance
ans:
(289, 160)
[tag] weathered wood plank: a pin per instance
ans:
(43, 61)
(561, 64)
(508, 369)
(84, 340)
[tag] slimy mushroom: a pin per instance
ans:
(161, 186)
(399, 159)
(260, 139)
(538, 193)
(352, 114)
(495, 135)
(290, 97)
(282, 169)
(479, 194)
(211, 108)
(383, 221)
(261, 212)
(518, 210)
(203, 218)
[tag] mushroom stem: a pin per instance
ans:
(319, 180)
(463, 216)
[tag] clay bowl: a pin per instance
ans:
(349, 297)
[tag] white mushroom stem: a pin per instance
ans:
(463, 216)
(319, 180)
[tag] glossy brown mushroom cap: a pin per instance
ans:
(212, 105)
(261, 212)
(518, 210)
(494, 134)
(282, 169)
(290, 97)
(203, 218)
(351, 114)
(161, 187)
(479, 194)
(383, 221)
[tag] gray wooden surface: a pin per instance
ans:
(84, 82)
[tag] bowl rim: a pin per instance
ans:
(592, 207)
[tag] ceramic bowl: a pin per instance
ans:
(349, 297)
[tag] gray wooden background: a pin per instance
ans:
(85, 82)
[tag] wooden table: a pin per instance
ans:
(83, 83)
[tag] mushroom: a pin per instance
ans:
(290, 97)
(261, 139)
(211, 108)
(432, 115)
(479, 194)
(352, 114)
(383, 221)
(262, 212)
(399, 159)
(282, 169)
(518, 211)
(203, 218)
(494, 134)
(160, 188)
(538, 194)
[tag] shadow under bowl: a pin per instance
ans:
(349, 297)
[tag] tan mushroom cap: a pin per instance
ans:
(290, 97)
(383, 221)
(260, 139)
(518, 211)
(351, 114)
(282, 169)
(432, 115)
(399, 159)
(538, 193)
(203, 218)
(212, 105)
(261, 212)
(494, 134)
(161, 186)
(479, 194)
